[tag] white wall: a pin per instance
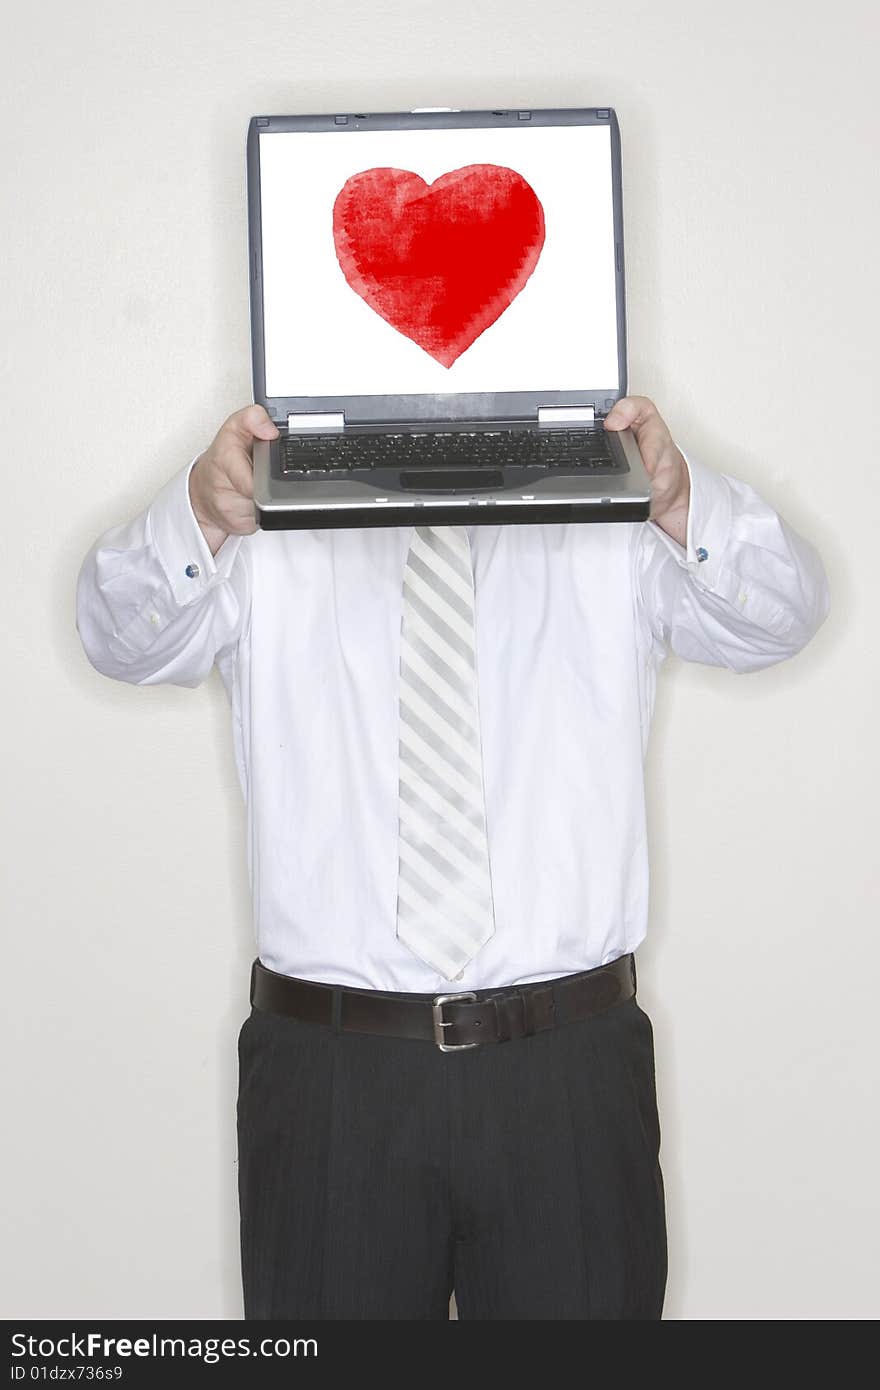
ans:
(749, 144)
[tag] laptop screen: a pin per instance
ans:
(435, 261)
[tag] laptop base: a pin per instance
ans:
(455, 496)
(497, 515)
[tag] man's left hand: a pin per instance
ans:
(664, 464)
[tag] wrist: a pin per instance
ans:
(214, 535)
(673, 517)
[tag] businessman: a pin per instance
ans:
(445, 1079)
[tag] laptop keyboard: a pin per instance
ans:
(523, 448)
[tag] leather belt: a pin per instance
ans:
(452, 1021)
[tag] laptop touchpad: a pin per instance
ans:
(450, 479)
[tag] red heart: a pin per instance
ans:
(440, 262)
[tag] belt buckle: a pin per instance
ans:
(440, 1023)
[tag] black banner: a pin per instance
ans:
(105, 1353)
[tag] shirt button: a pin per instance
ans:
(154, 619)
(702, 554)
(192, 571)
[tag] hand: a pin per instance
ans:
(670, 481)
(221, 483)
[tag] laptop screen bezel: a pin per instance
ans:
(453, 406)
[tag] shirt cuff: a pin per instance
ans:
(708, 524)
(180, 543)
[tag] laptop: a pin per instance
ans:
(437, 315)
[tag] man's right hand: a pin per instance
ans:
(221, 482)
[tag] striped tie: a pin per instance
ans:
(444, 903)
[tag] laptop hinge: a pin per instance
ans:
(565, 414)
(305, 420)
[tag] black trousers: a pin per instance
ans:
(378, 1174)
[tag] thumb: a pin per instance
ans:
(265, 429)
(623, 413)
(259, 422)
(252, 422)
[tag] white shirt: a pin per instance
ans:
(572, 625)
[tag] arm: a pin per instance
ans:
(160, 597)
(720, 577)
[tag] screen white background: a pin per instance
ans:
(322, 339)
(751, 235)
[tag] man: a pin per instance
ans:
(440, 737)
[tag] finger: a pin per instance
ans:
(252, 422)
(242, 524)
(236, 512)
(630, 412)
(239, 471)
